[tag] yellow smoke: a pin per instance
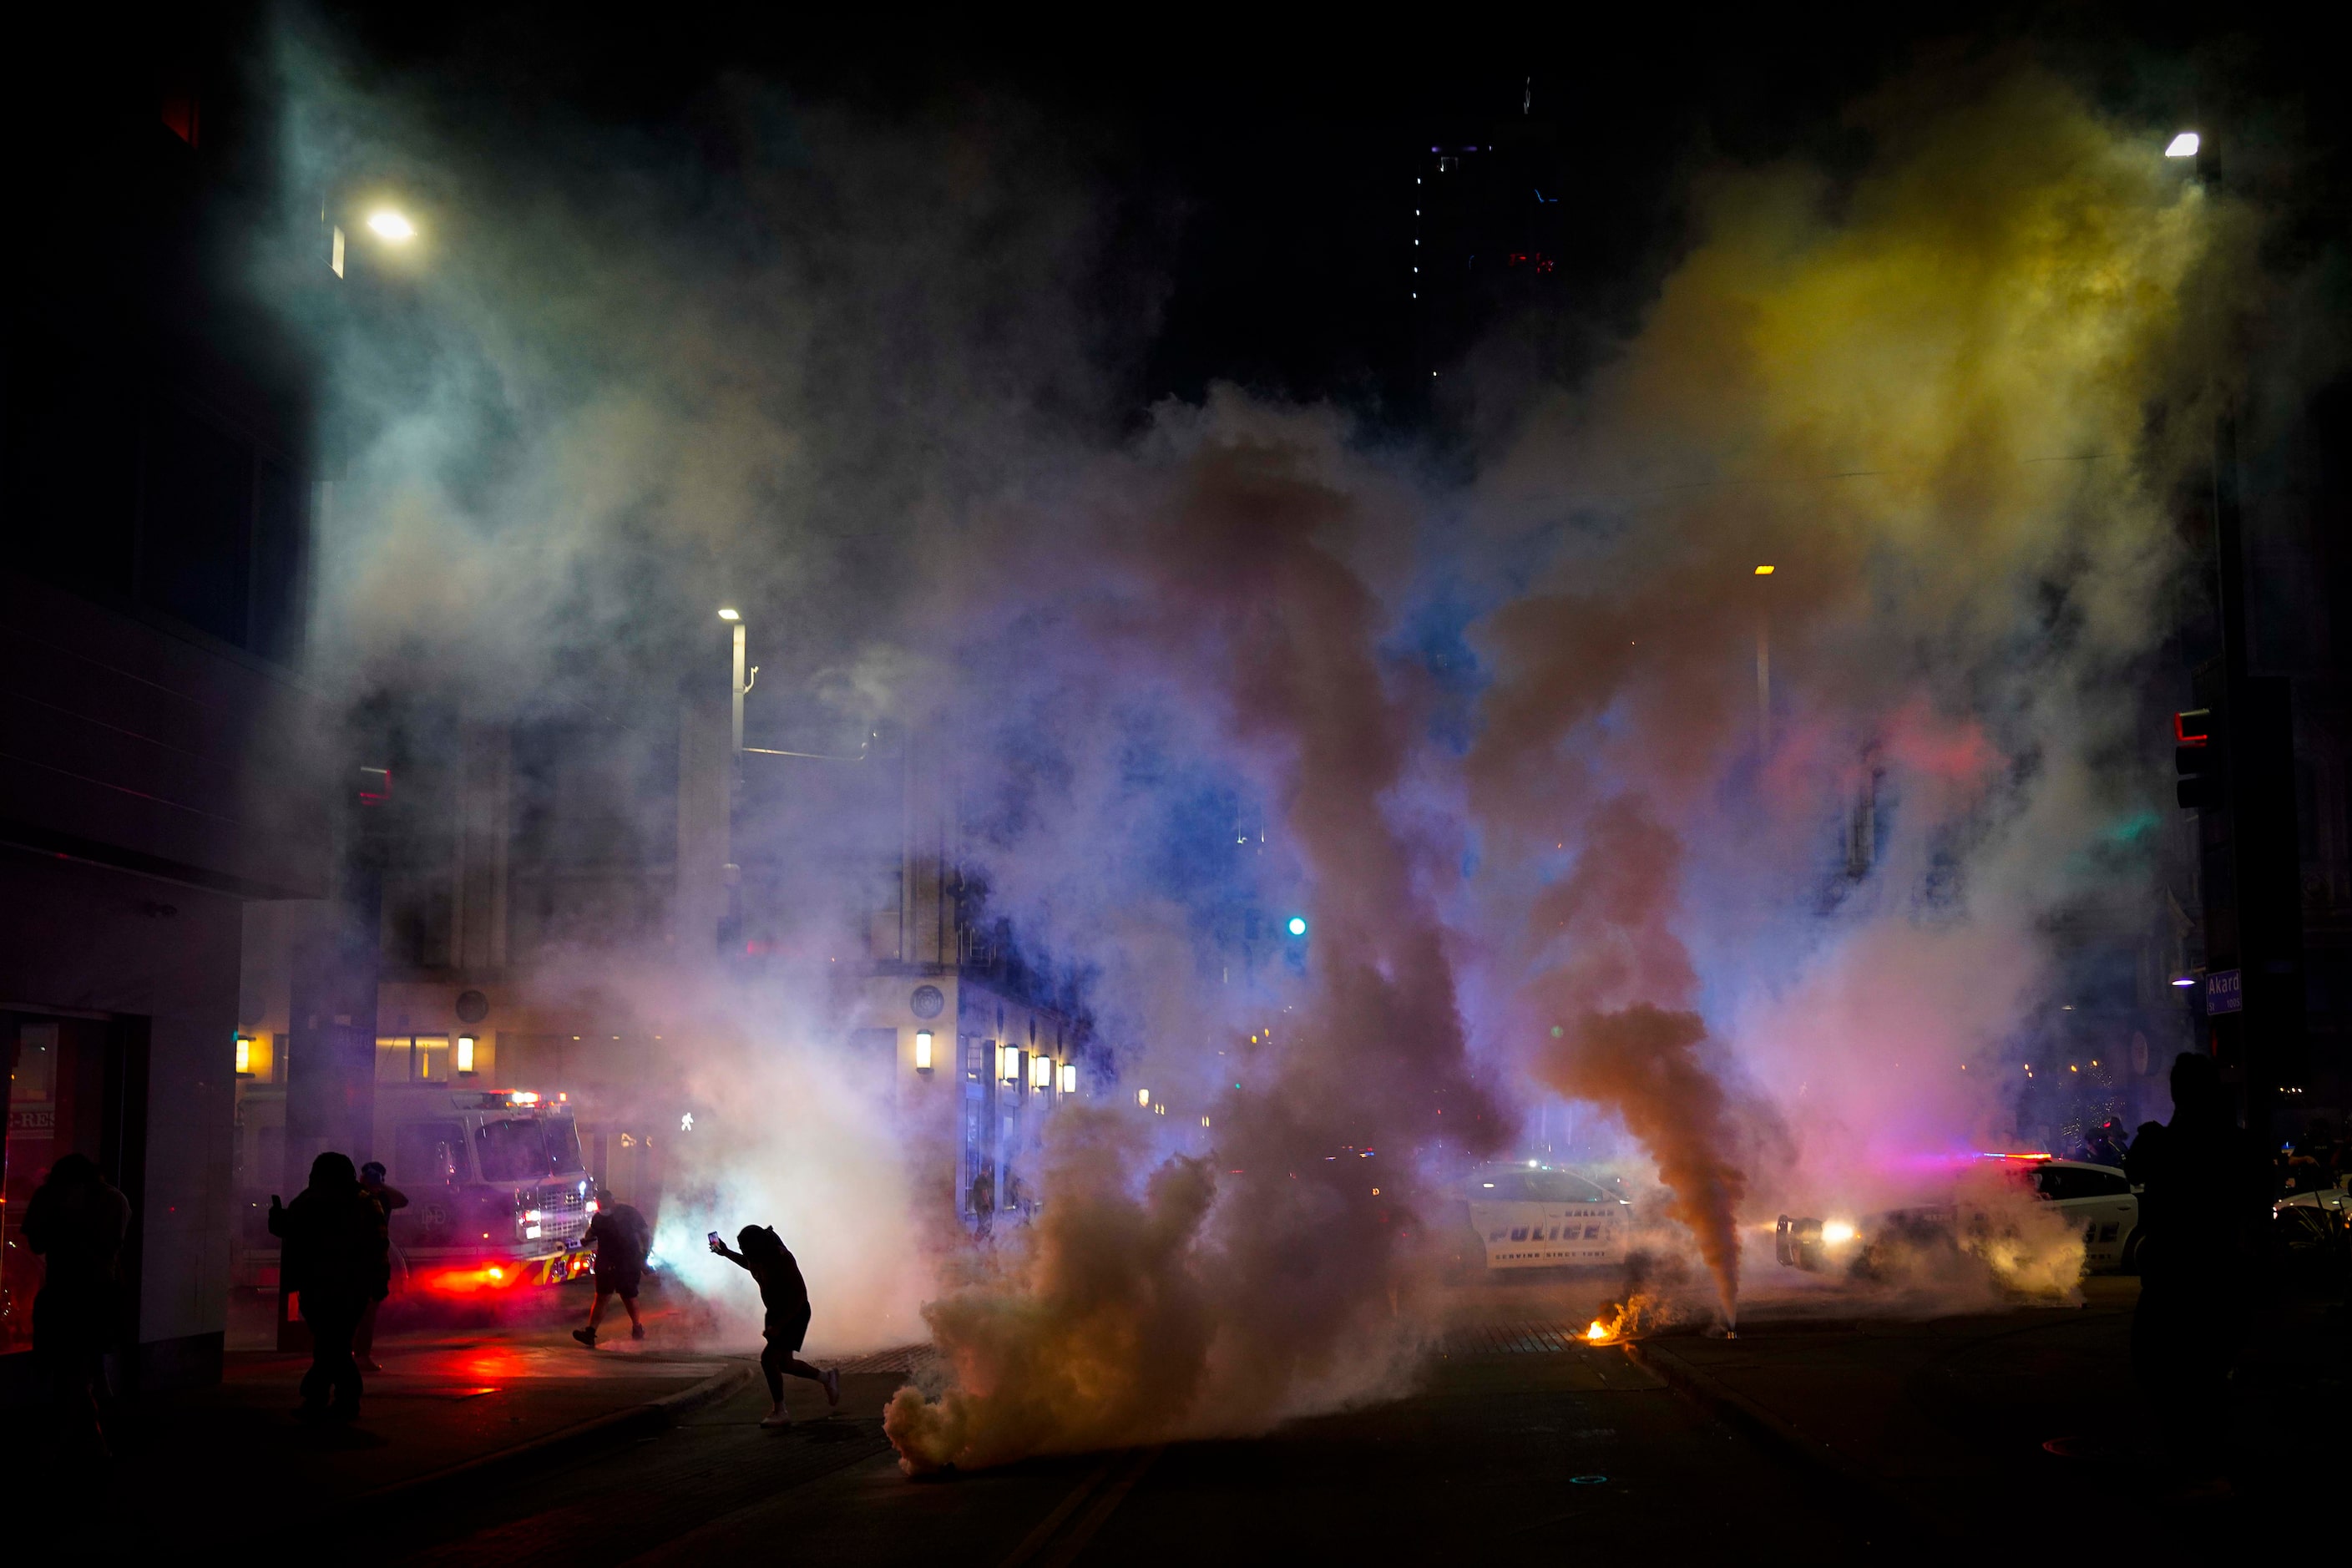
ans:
(1949, 399)
(1099, 1338)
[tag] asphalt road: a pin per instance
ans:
(1515, 1440)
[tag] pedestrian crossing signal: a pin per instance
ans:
(2200, 760)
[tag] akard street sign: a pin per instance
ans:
(2221, 992)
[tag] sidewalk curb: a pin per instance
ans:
(581, 1438)
(1736, 1409)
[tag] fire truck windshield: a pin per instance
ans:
(525, 1149)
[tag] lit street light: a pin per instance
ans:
(2182, 146)
(391, 225)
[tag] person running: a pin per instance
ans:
(622, 1239)
(785, 1295)
(386, 1198)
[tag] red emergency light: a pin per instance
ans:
(466, 1280)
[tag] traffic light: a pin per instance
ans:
(2198, 756)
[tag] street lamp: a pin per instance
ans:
(734, 618)
(1763, 669)
(389, 223)
(2184, 145)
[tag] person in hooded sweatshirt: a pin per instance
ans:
(75, 1222)
(2205, 1198)
(785, 1295)
(334, 1255)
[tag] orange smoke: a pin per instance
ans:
(1099, 1337)
(1610, 1041)
(1133, 1317)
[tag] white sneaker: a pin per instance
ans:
(779, 1416)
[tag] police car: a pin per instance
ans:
(2099, 1198)
(1535, 1215)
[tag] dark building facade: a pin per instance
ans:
(159, 750)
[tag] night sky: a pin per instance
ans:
(1255, 174)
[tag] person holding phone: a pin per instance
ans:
(785, 1296)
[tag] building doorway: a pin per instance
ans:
(74, 1086)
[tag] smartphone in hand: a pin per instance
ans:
(715, 1243)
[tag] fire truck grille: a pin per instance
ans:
(566, 1211)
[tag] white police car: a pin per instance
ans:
(1542, 1217)
(2099, 1198)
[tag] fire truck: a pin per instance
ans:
(498, 1194)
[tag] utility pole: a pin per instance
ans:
(2249, 848)
(730, 924)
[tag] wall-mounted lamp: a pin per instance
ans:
(1041, 1072)
(1008, 1065)
(466, 1056)
(922, 1050)
(245, 1055)
(1143, 1097)
(1069, 1078)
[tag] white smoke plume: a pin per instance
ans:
(1948, 397)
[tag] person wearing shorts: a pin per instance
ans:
(785, 1296)
(622, 1239)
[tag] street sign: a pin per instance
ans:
(2221, 992)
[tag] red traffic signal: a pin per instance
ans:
(2199, 758)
